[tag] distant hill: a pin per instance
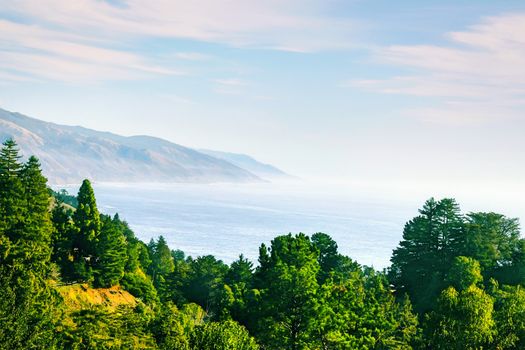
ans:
(265, 171)
(71, 153)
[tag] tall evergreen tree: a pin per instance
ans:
(28, 305)
(87, 223)
(110, 255)
(63, 236)
(288, 293)
(430, 243)
(37, 220)
(162, 264)
(12, 208)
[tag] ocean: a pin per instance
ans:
(226, 220)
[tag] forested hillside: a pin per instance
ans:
(74, 278)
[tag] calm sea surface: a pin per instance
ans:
(226, 220)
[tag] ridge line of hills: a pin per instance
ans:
(70, 154)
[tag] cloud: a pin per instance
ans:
(92, 40)
(231, 82)
(192, 56)
(33, 51)
(293, 24)
(481, 66)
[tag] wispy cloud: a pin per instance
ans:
(192, 56)
(294, 24)
(482, 66)
(34, 51)
(231, 82)
(88, 40)
(230, 86)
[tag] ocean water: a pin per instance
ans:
(226, 220)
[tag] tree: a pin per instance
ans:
(62, 240)
(29, 307)
(463, 318)
(172, 327)
(464, 273)
(240, 271)
(329, 258)
(161, 265)
(12, 203)
(430, 243)
(110, 255)
(204, 282)
(358, 311)
(87, 223)
(509, 315)
(36, 239)
(226, 335)
(287, 281)
(494, 240)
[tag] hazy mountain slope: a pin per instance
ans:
(70, 153)
(246, 162)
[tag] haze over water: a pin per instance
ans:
(226, 220)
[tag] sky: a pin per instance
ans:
(382, 93)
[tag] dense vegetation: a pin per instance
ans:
(455, 282)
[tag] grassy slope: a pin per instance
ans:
(81, 296)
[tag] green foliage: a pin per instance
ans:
(359, 312)
(204, 282)
(62, 241)
(30, 311)
(12, 208)
(140, 286)
(509, 315)
(430, 243)
(288, 286)
(161, 261)
(303, 295)
(462, 320)
(464, 273)
(29, 307)
(172, 328)
(226, 335)
(492, 239)
(64, 197)
(110, 254)
(87, 222)
(240, 271)
(96, 328)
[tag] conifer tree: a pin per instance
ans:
(288, 286)
(161, 260)
(430, 243)
(111, 255)
(12, 209)
(87, 223)
(37, 221)
(28, 305)
(62, 240)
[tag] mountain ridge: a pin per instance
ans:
(71, 153)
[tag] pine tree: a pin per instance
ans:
(12, 209)
(288, 286)
(37, 221)
(110, 256)
(161, 261)
(87, 223)
(62, 240)
(430, 243)
(29, 307)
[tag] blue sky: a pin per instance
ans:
(376, 92)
